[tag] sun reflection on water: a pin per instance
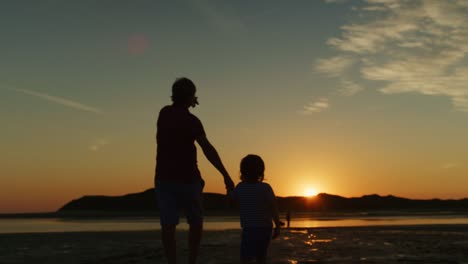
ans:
(300, 231)
(312, 239)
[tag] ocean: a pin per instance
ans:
(214, 223)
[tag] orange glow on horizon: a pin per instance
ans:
(310, 192)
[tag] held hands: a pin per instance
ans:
(276, 232)
(229, 188)
(229, 183)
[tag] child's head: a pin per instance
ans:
(252, 168)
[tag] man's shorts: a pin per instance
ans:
(255, 241)
(173, 197)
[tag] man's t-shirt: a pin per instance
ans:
(176, 154)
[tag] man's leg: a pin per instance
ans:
(169, 217)
(195, 235)
(169, 242)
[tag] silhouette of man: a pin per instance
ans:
(177, 179)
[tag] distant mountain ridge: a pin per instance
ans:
(146, 202)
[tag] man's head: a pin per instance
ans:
(183, 92)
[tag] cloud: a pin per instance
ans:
(316, 106)
(405, 47)
(58, 100)
(219, 16)
(98, 144)
(349, 88)
(449, 165)
(333, 66)
(335, 1)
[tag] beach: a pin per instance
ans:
(373, 244)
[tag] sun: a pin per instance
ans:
(310, 192)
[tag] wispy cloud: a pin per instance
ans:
(316, 106)
(333, 66)
(98, 144)
(410, 46)
(449, 165)
(220, 16)
(349, 88)
(335, 1)
(58, 100)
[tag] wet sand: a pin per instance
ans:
(382, 244)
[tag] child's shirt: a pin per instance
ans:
(255, 202)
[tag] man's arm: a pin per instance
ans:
(212, 155)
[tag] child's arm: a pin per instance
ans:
(276, 220)
(275, 215)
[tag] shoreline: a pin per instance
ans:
(462, 227)
(299, 214)
(214, 223)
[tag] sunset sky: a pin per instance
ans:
(343, 97)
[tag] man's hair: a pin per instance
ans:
(182, 89)
(252, 168)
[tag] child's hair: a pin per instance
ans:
(252, 168)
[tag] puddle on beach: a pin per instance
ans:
(313, 239)
(304, 246)
(299, 231)
(291, 261)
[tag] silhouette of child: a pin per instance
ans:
(257, 210)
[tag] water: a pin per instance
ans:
(40, 225)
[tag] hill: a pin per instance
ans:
(142, 202)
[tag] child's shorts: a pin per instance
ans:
(255, 241)
(173, 196)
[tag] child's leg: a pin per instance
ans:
(261, 260)
(254, 244)
(247, 248)
(263, 238)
